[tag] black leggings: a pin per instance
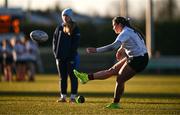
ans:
(65, 68)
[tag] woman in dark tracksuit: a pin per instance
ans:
(65, 44)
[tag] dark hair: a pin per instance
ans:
(125, 22)
(122, 20)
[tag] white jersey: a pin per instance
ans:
(132, 42)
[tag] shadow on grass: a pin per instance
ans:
(150, 102)
(93, 94)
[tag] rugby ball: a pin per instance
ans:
(39, 36)
(80, 99)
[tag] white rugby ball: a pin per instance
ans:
(39, 36)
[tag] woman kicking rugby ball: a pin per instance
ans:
(129, 42)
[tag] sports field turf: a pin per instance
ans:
(144, 94)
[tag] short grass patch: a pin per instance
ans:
(144, 94)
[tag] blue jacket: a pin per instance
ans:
(65, 46)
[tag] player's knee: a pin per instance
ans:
(111, 71)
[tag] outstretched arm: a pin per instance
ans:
(106, 48)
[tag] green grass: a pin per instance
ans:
(143, 95)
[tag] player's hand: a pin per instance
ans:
(91, 50)
(118, 56)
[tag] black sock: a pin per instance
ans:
(91, 76)
(116, 100)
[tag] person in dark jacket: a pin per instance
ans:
(65, 44)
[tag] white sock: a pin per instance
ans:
(63, 96)
(73, 96)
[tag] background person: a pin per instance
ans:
(65, 44)
(130, 42)
(8, 60)
(1, 61)
(31, 58)
(20, 61)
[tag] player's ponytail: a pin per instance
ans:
(126, 22)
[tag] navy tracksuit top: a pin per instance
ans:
(65, 46)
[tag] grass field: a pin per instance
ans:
(144, 94)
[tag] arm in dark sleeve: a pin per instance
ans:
(55, 37)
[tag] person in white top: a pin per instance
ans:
(132, 57)
(20, 61)
(31, 58)
(7, 52)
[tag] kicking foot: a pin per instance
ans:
(83, 77)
